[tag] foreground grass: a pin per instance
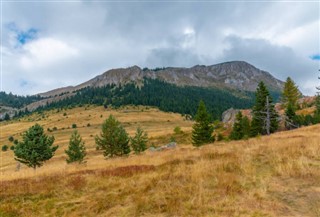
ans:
(278, 175)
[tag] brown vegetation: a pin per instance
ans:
(277, 175)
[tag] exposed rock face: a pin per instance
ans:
(229, 116)
(234, 75)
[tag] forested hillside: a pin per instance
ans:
(16, 101)
(165, 96)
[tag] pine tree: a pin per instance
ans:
(245, 127)
(237, 130)
(76, 150)
(139, 141)
(316, 115)
(290, 94)
(202, 129)
(6, 117)
(290, 114)
(113, 140)
(36, 147)
(264, 116)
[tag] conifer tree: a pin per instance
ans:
(264, 116)
(316, 115)
(202, 129)
(290, 94)
(6, 117)
(113, 139)
(290, 114)
(139, 141)
(237, 130)
(245, 127)
(36, 147)
(76, 150)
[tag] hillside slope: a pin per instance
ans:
(275, 175)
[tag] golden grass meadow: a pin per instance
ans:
(276, 175)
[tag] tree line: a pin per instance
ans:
(167, 97)
(266, 120)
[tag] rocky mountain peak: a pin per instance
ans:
(238, 75)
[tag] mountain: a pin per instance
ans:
(238, 75)
(173, 89)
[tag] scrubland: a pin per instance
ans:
(277, 175)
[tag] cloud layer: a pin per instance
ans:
(47, 45)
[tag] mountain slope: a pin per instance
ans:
(230, 75)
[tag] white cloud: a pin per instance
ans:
(44, 52)
(79, 40)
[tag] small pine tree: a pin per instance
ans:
(245, 126)
(237, 131)
(36, 147)
(113, 140)
(139, 141)
(7, 117)
(11, 139)
(202, 129)
(76, 150)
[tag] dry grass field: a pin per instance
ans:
(277, 175)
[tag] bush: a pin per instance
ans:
(64, 114)
(4, 148)
(54, 128)
(88, 125)
(15, 142)
(177, 130)
(220, 137)
(12, 147)
(11, 138)
(74, 126)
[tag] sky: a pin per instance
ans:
(47, 45)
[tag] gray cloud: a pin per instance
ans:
(281, 61)
(78, 40)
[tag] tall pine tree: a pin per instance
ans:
(264, 116)
(290, 94)
(202, 129)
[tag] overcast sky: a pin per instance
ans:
(47, 45)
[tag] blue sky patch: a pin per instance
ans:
(23, 37)
(315, 57)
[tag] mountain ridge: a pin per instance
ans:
(234, 75)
